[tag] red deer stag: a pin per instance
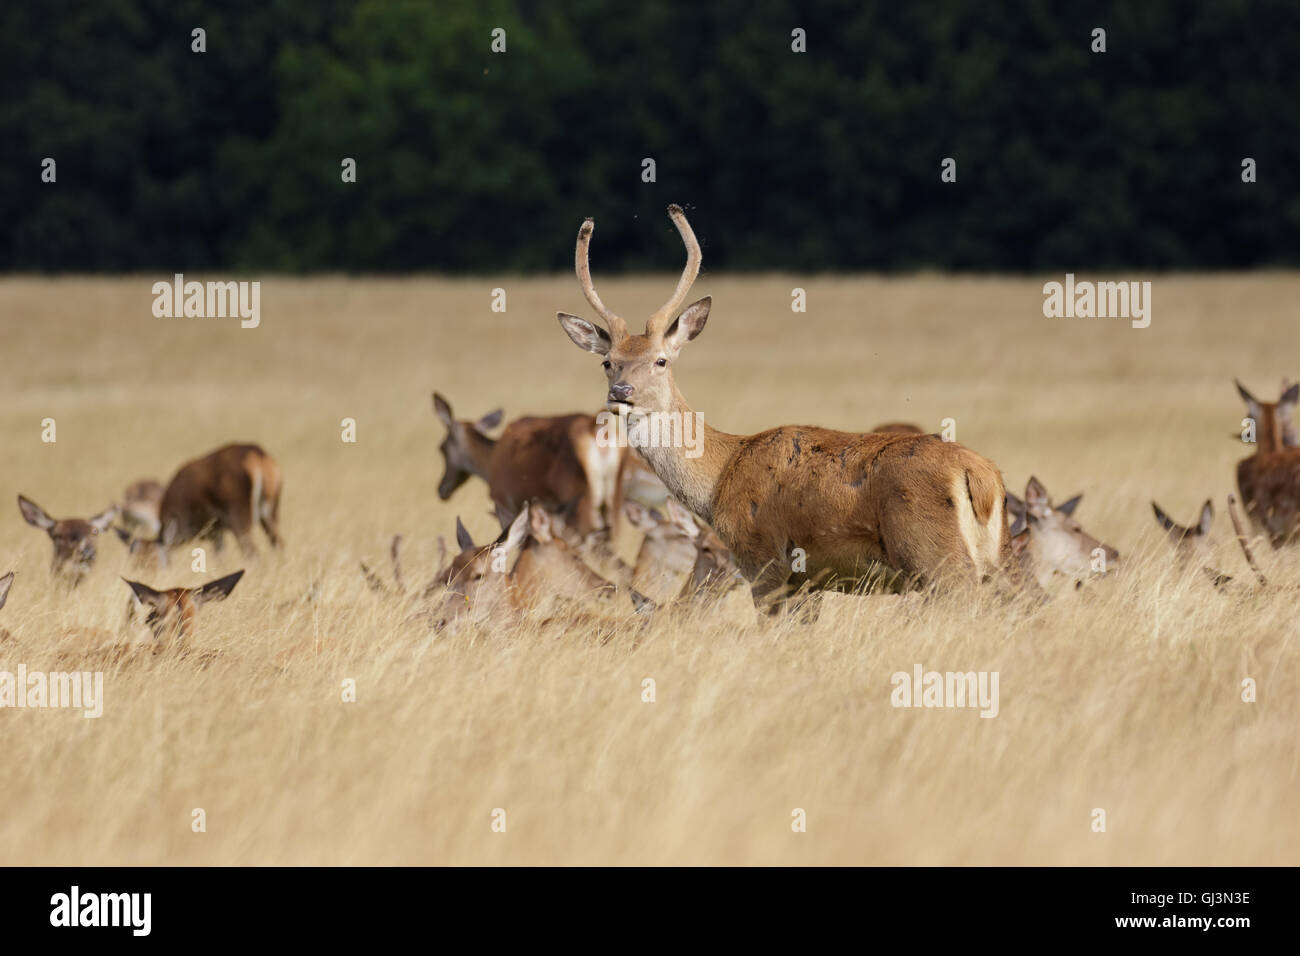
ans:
(797, 505)
(73, 539)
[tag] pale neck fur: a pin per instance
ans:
(692, 480)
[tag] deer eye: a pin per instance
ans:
(605, 365)
(661, 362)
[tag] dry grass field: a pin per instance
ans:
(1124, 696)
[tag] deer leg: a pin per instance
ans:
(269, 516)
(770, 588)
(239, 518)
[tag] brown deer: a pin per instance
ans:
(73, 539)
(798, 505)
(1048, 540)
(228, 490)
(1269, 480)
(555, 461)
(479, 587)
(141, 504)
(171, 613)
(1192, 543)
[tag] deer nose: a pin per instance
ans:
(620, 392)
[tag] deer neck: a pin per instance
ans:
(480, 449)
(1268, 433)
(690, 469)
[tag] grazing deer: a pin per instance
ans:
(73, 539)
(171, 613)
(1192, 543)
(680, 549)
(141, 504)
(479, 588)
(555, 461)
(798, 505)
(714, 572)
(1269, 480)
(227, 490)
(667, 552)
(1047, 540)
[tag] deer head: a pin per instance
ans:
(1053, 540)
(171, 613)
(1274, 427)
(639, 367)
(479, 584)
(1192, 545)
(466, 448)
(73, 538)
(714, 572)
(140, 506)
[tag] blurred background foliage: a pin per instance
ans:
(474, 161)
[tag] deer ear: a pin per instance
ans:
(1015, 506)
(490, 421)
(515, 535)
(35, 514)
(145, 594)
(1018, 525)
(1207, 517)
(443, 410)
(1163, 519)
(1252, 403)
(1035, 495)
(1068, 507)
(540, 523)
(102, 520)
(6, 583)
(463, 536)
(638, 515)
(681, 518)
(217, 590)
(1290, 396)
(585, 335)
(689, 324)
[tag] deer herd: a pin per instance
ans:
(792, 512)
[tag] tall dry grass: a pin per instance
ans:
(1125, 696)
